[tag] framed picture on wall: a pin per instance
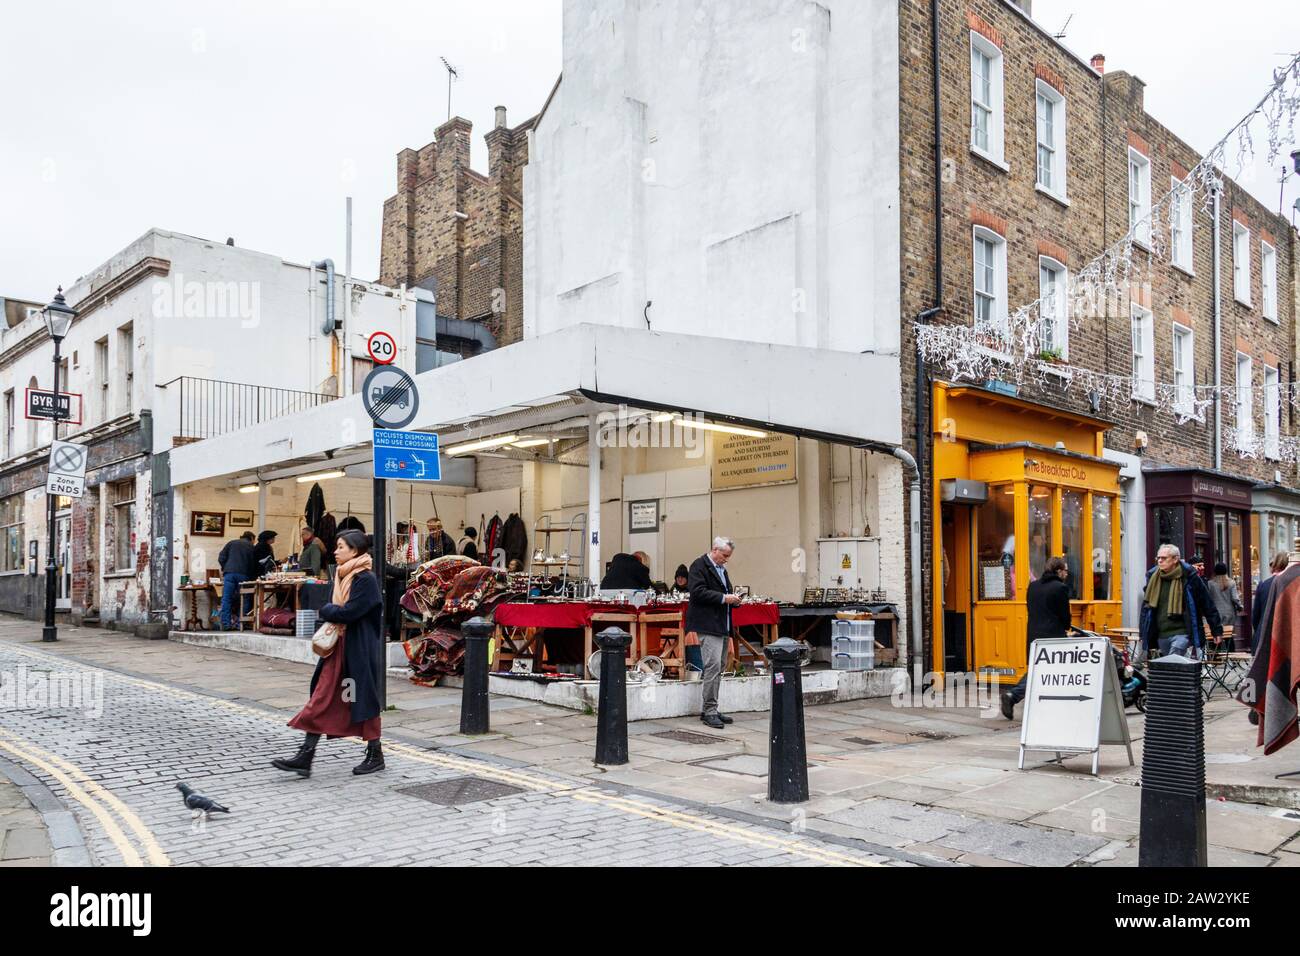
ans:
(643, 516)
(209, 523)
(241, 519)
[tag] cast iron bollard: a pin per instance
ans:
(611, 719)
(474, 715)
(1173, 767)
(787, 760)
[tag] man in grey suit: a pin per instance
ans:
(709, 616)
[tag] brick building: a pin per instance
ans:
(1038, 152)
(459, 233)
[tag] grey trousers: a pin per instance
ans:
(713, 650)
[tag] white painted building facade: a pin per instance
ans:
(176, 339)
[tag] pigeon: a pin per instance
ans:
(198, 802)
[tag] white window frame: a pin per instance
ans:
(1139, 197)
(1245, 370)
(1144, 353)
(1056, 168)
(9, 423)
(1055, 306)
(1240, 263)
(996, 149)
(1184, 377)
(1272, 412)
(998, 294)
(1268, 280)
(1180, 225)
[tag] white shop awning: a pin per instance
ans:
(843, 397)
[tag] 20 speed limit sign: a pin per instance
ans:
(382, 348)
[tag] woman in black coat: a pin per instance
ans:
(264, 554)
(345, 688)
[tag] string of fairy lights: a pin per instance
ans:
(1017, 349)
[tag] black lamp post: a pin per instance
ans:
(58, 317)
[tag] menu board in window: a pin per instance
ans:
(995, 581)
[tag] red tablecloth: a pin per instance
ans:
(577, 614)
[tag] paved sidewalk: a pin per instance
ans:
(927, 785)
(36, 828)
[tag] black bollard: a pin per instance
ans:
(611, 719)
(787, 754)
(1173, 766)
(474, 692)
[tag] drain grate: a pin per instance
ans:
(460, 790)
(861, 741)
(689, 737)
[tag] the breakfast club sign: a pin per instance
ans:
(1061, 471)
(742, 460)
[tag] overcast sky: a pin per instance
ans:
(256, 119)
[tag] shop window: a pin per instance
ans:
(1236, 552)
(1169, 527)
(996, 519)
(1103, 546)
(1072, 540)
(121, 521)
(11, 533)
(1040, 529)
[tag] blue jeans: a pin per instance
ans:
(1178, 644)
(229, 592)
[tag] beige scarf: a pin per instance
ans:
(1174, 602)
(343, 581)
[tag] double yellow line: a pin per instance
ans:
(761, 839)
(98, 800)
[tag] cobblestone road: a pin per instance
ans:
(114, 759)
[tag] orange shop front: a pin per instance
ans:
(1015, 483)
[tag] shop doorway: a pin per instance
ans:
(956, 587)
(63, 559)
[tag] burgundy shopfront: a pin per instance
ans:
(1206, 512)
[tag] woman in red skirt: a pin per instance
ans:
(345, 688)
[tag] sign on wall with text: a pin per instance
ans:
(740, 461)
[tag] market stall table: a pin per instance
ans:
(262, 588)
(193, 622)
(519, 624)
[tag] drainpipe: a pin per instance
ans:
(914, 619)
(1215, 192)
(347, 304)
(328, 266)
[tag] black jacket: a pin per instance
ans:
(625, 571)
(237, 558)
(1048, 603)
(438, 546)
(706, 614)
(364, 632)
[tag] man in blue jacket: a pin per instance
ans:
(1174, 605)
(237, 566)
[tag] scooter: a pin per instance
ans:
(1132, 680)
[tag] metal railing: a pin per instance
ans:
(211, 407)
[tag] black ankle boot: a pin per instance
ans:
(300, 763)
(374, 759)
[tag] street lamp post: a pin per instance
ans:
(58, 317)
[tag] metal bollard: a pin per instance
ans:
(474, 711)
(611, 719)
(1173, 766)
(787, 760)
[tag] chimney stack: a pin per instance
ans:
(501, 117)
(1099, 62)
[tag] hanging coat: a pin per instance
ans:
(491, 539)
(514, 540)
(315, 506)
(327, 532)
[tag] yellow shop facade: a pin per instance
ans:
(1015, 483)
